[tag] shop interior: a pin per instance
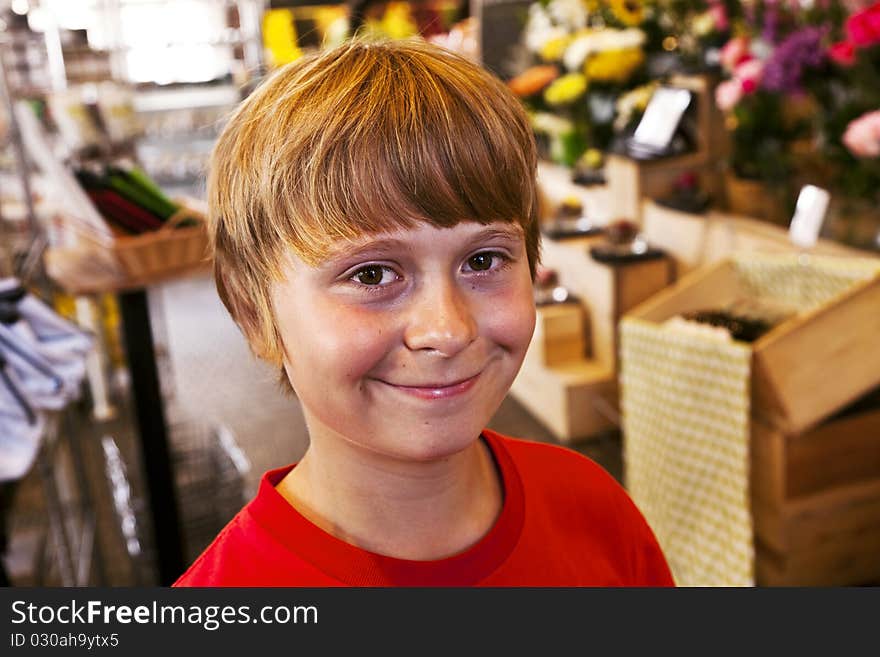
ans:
(708, 298)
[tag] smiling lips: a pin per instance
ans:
(438, 390)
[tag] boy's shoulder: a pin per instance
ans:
(252, 550)
(553, 463)
(560, 479)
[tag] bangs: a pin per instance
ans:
(402, 140)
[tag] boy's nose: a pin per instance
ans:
(441, 320)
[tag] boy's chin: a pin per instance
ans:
(432, 443)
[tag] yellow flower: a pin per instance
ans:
(592, 158)
(614, 65)
(566, 90)
(628, 12)
(553, 49)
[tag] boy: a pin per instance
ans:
(374, 218)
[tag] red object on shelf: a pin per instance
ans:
(123, 212)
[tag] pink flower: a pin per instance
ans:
(862, 136)
(843, 53)
(863, 28)
(749, 73)
(728, 94)
(719, 15)
(735, 52)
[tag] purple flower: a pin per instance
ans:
(771, 21)
(796, 53)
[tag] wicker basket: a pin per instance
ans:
(90, 265)
(164, 251)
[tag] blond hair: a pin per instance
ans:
(360, 139)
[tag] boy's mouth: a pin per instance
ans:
(437, 390)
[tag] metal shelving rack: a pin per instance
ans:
(70, 533)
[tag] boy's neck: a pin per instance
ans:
(416, 511)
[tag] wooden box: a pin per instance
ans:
(794, 385)
(816, 501)
(571, 399)
(560, 334)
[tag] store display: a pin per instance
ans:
(686, 195)
(588, 170)
(125, 196)
(680, 132)
(623, 244)
(657, 133)
(547, 288)
(570, 220)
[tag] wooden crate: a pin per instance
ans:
(571, 399)
(794, 385)
(560, 334)
(816, 501)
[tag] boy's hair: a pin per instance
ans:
(359, 139)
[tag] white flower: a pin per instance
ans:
(571, 14)
(550, 124)
(540, 29)
(577, 51)
(600, 41)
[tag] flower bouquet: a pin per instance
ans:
(774, 67)
(587, 54)
(849, 128)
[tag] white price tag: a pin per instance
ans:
(809, 214)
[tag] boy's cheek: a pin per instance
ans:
(512, 324)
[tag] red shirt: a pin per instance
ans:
(564, 522)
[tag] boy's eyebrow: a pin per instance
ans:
(390, 244)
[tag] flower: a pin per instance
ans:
(789, 60)
(704, 24)
(614, 65)
(628, 12)
(554, 48)
(635, 100)
(550, 124)
(589, 41)
(540, 29)
(566, 90)
(592, 158)
(863, 28)
(843, 53)
(862, 136)
(728, 94)
(719, 13)
(735, 52)
(749, 74)
(571, 14)
(533, 80)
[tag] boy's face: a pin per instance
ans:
(405, 343)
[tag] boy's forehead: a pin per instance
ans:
(464, 230)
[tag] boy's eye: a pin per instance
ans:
(373, 275)
(481, 261)
(487, 261)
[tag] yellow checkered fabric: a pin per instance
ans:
(685, 402)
